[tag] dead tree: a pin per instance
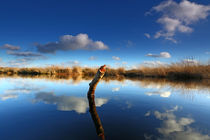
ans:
(91, 98)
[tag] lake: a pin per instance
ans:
(43, 109)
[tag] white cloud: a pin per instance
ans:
(164, 94)
(10, 47)
(190, 61)
(115, 58)
(171, 25)
(115, 89)
(175, 128)
(167, 36)
(177, 17)
(133, 67)
(68, 103)
(124, 63)
(69, 42)
(92, 58)
(161, 55)
(75, 62)
(153, 63)
(147, 35)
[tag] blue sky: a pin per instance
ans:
(95, 32)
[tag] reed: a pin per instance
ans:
(176, 71)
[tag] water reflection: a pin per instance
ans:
(164, 94)
(95, 117)
(175, 128)
(126, 114)
(162, 83)
(143, 82)
(22, 90)
(67, 103)
(14, 92)
(7, 96)
(116, 89)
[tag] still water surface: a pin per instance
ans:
(39, 109)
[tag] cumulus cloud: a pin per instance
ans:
(161, 55)
(70, 42)
(68, 103)
(24, 54)
(178, 17)
(177, 128)
(115, 58)
(147, 35)
(164, 94)
(92, 58)
(10, 47)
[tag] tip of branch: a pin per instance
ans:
(102, 69)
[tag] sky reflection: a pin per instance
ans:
(127, 110)
(67, 103)
(175, 128)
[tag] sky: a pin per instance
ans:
(119, 33)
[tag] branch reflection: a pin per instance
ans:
(95, 117)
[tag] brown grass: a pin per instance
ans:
(176, 71)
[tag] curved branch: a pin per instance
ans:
(91, 98)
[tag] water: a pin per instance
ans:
(39, 109)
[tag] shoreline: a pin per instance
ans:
(177, 71)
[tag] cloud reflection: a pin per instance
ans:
(21, 90)
(68, 103)
(15, 92)
(164, 94)
(4, 97)
(115, 89)
(175, 128)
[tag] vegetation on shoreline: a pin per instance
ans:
(176, 71)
